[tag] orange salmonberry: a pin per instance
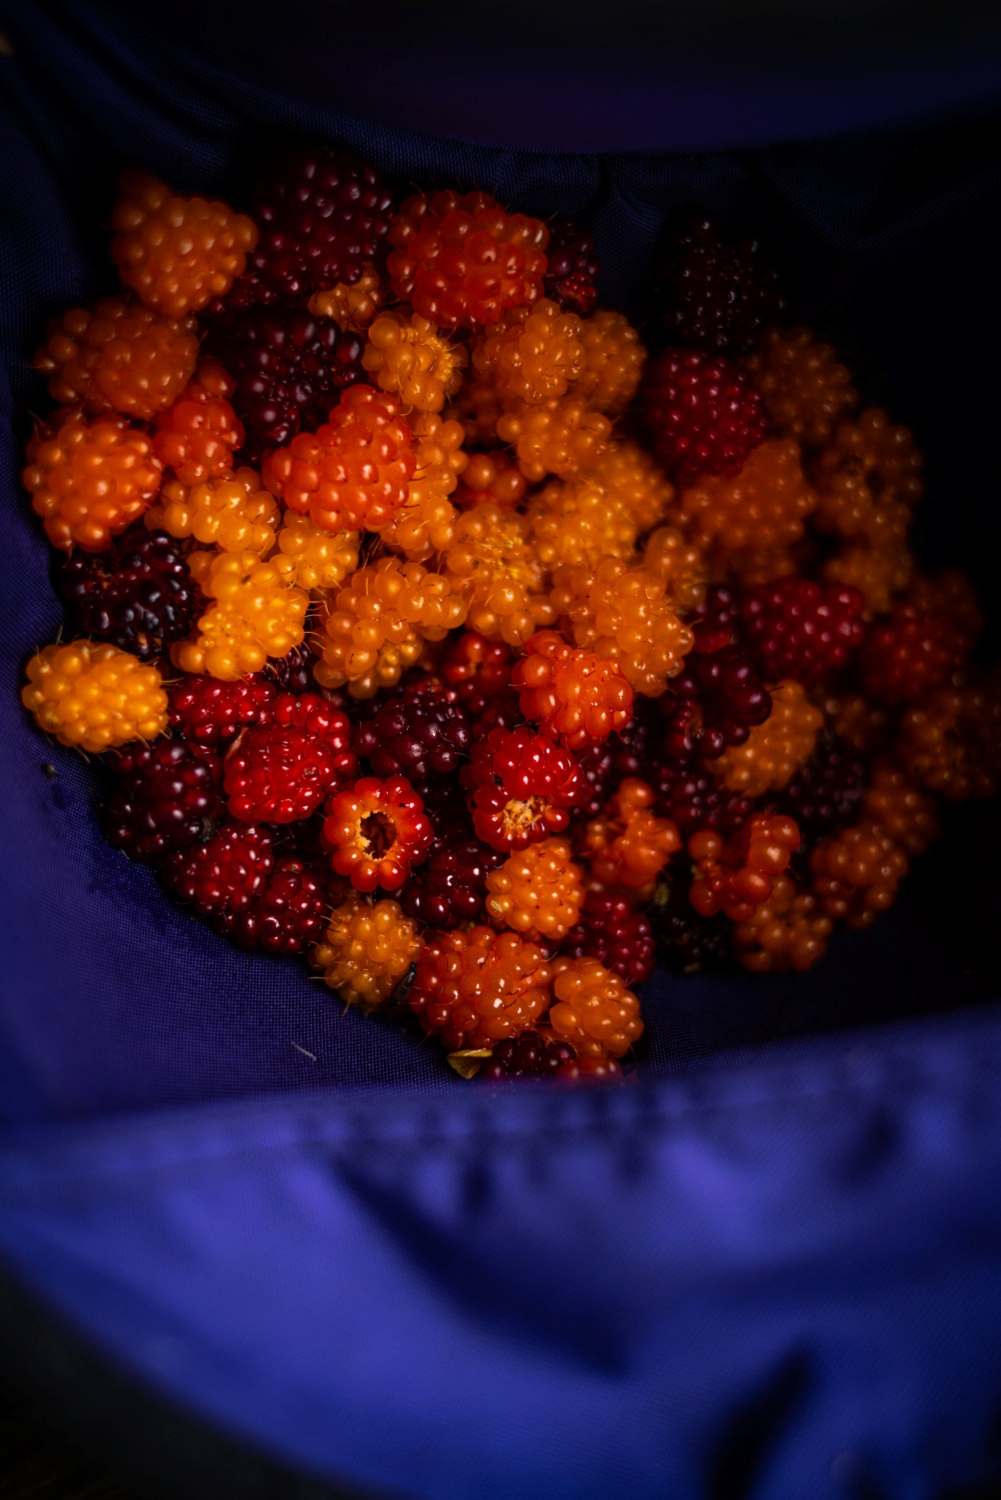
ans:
(408, 357)
(774, 751)
(537, 891)
(198, 435)
(89, 479)
(805, 387)
(475, 987)
(376, 832)
(532, 355)
(575, 521)
(492, 563)
(632, 477)
(681, 567)
(177, 253)
(119, 355)
(322, 559)
(94, 696)
(613, 359)
(366, 949)
(736, 875)
(351, 474)
(561, 437)
(952, 741)
(620, 612)
(627, 844)
(763, 506)
(378, 622)
(478, 407)
(879, 573)
(787, 931)
(575, 696)
(895, 803)
(425, 522)
(593, 1009)
(234, 513)
(255, 612)
(491, 479)
(856, 872)
(462, 261)
(869, 465)
(351, 305)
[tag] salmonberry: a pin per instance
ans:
(425, 523)
(612, 364)
(352, 305)
(879, 573)
(138, 593)
(198, 435)
(177, 253)
(620, 612)
(577, 521)
(491, 479)
(856, 873)
(476, 987)
(283, 772)
(209, 712)
(873, 461)
(764, 505)
(120, 356)
(522, 788)
(462, 260)
(221, 877)
(94, 696)
(166, 795)
(952, 741)
(609, 930)
(686, 942)
(575, 696)
(255, 612)
(293, 672)
(493, 564)
(408, 357)
(532, 355)
(774, 751)
(234, 513)
(572, 267)
(787, 931)
(532, 1054)
(896, 804)
(419, 732)
(322, 559)
(635, 479)
(477, 670)
(628, 845)
(562, 437)
(805, 387)
(89, 479)
(376, 831)
(366, 950)
(910, 654)
(737, 874)
(537, 891)
(450, 888)
(597, 766)
(713, 291)
(592, 1008)
(716, 702)
(287, 914)
(702, 415)
(801, 629)
(680, 566)
(692, 798)
(826, 792)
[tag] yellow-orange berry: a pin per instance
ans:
(491, 479)
(632, 477)
(575, 521)
(366, 950)
(621, 612)
(235, 513)
(894, 803)
(410, 358)
(322, 559)
(592, 1008)
(532, 355)
(856, 873)
(575, 696)
(879, 573)
(88, 480)
(379, 621)
(787, 931)
(537, 891)
(492, 562)
(351, 474)
(94, 696)
(612, 364)
(119, 355)
(256, 613)
(736, 875)
(475, 987)
(198, 435)
(805, 387)
(763, 506)
(774, 751)
(951, 742)
(351, 306)
(871, 455)
(177, 253)
(425, 522)
(561, 437)
(681, 567)
(627, 845)
(478, 407)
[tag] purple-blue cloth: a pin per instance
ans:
(776, 1276)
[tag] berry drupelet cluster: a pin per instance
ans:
(431, 628)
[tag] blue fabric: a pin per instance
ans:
(776, 1275)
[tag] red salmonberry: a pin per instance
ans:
(702, 414)
(283, 772)
(910, 654)
(419, 732)
(522, 788)
(476, 669)
(286, 916)
(572, 267)
(210, 712)
(221, 877)
(532, 1054)
(138, 594)
(735, 875)
(450, 889)
(476, 987)
(575, 696)
(376, 831)
(693, 798)
(825, 793)
(597, 766)
(712, 291)
(798, 628)
(167, 795)
(610, 930)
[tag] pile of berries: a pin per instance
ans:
(428, 629)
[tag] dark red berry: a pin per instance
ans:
(702, 414)
(714, 703)
(797, 628)
(167, 795)
(597, 766)
(610, 930)
(137, 594)
(910, 654)
(713, 292)
(693, 798)
(221, 877)
(419, 732)
(282, 772)
(210, 712)
(528, 1055)
(287, 914)
(450, 888)
(571, 267)
(477, 670)
(828, 791)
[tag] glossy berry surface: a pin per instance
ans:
(166, 795)
(210, 712)
(94, 696)
(537, 891)
(221, 876)
(197, 436)
(610, 930)
(522, 787)
(476, 987)
(450, 889)
(571, 267)
(826, 792)
(89, 478)
(627, 845)
(702, 415)
(573, 695)
(118, 356)
(593, 1009)
(376, 830)
(286, 915)
(736, 875)
(801, 629)
(138, 594)
(366, 949)
(419, 732)
(283, 772)
(533, 1054)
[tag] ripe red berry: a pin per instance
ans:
(138, 594)
(910, 654)
(715, 703)
(282, 772)
(419, 732)
(693, 798)
(221, 877)
(522, 788)
(798, 628)
(167, 795)
(827, 792)
(209, 711)
(702, 414)
(713, 292)
(450, 889)
(597, 766)
(610, 930)
(287, 915)
(572, 267)
(376, 831)
(531, 1054)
